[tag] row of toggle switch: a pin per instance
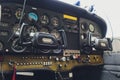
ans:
(54, 63)
(34, 63)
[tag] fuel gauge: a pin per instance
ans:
(91, 28)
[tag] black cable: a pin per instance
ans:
(21, 33)
(22, 14)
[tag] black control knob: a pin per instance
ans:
(60, 66)
(72, 57)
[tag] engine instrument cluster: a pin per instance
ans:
(35, 19)
(89, 31)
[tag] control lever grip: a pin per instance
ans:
(64, 38)
(44, 41)
(48, 41)
(23, 26)
(22, 32)
(101, 44)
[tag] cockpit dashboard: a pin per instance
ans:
(49, 34)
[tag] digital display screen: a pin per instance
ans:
(3, 33)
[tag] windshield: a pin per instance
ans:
(107, 9)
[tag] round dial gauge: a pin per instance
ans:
(33, 16)
(16, 47)
(55, 21)
(84, 26)
(18, 13)
(44, 19)
(31, 30)
(91, 28)
(55, 33)
(16, 29)
(44, 30)
(83, 36)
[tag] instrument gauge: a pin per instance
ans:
(44, 30)
(44, 19)
(91, 28)
(84, 26)
(83, 36)
(18, 13)
(55, 21)
(16, 29)
(55, 33)
(1, 46)
(16, 47)
(31, 30)
(33, 16)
